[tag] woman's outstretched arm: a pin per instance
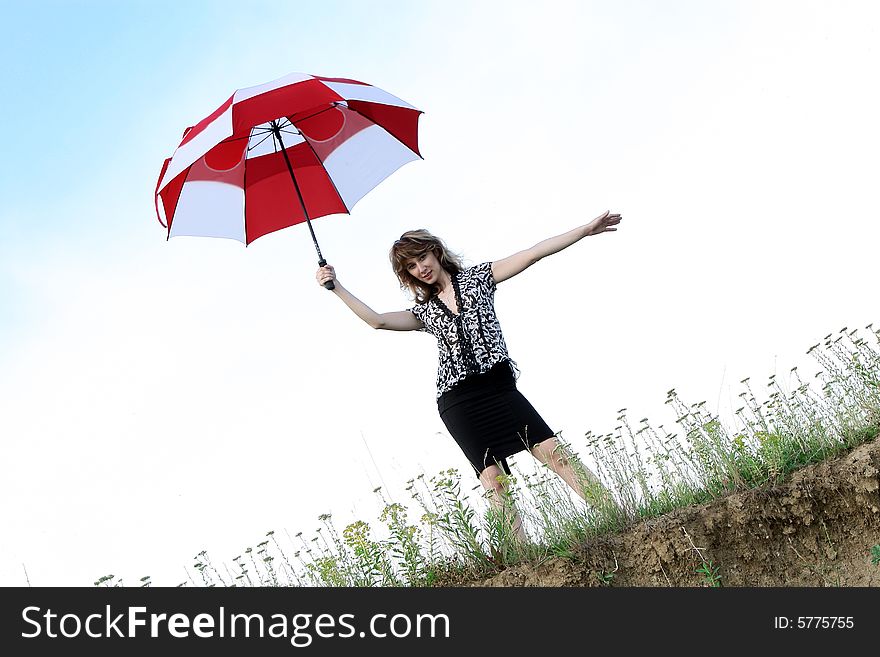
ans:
(401, 320)
(513, 265)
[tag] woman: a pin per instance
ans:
(476, 389)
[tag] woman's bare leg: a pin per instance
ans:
(494, 481)
(581, 479)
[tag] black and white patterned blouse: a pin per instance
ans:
(470, 342)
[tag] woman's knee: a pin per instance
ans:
(551, 453)
(492, 478)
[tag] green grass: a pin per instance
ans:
(649, 470)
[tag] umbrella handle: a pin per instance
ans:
(329, 284)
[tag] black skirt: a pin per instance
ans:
(490, 419)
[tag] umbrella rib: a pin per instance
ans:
(290, 132)
(229, 139)
(250, 148)
(268, 131)
(333, 105)
(269, 134)
(329, 177)
(254, 132)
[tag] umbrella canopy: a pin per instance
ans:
(284, 152)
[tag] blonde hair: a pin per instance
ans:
(412, 244)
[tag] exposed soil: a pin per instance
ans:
(815, 529)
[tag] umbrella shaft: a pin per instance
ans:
(276, 131)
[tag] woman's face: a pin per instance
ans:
(425, 267)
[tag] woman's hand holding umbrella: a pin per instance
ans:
(326, 274)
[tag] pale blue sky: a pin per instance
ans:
(159, 398)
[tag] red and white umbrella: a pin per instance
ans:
(281, 153)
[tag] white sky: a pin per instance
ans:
(159, 398)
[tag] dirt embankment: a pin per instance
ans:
(815, 529)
